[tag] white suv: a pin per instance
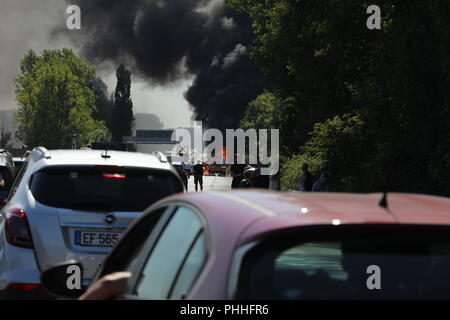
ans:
(74, 204)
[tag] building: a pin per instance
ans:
(150, 141)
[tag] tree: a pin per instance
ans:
(270, 110)
(397, 80)
(341, 143)
(5, 139)
(123, 106)
(103, 101)
(55, 100)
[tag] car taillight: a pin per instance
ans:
(17, 231)
(114, 176)
(23, 286)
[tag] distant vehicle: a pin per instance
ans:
(216, 169)
(259, 244)
(254, 179)
(76, 204)
(7, 172)
(174, 159)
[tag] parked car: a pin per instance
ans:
(6, 176)
(258, 244)
(74, 204)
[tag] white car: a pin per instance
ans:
(74, 204)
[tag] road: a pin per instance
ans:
(211, 183)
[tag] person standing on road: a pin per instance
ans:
(305, 183)
(323, 183)
(237, 172)
(198, 175)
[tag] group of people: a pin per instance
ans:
(244, 176)
(307, 182)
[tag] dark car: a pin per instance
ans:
(6, 176)
(220, 245)
(182, 172)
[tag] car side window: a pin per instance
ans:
(128, 253)
(190, 269)
(168, 255)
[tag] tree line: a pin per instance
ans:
(372, 104)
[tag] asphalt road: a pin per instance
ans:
(211, 183)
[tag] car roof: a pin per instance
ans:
(256, 212)
(44, 158)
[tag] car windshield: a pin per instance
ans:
(102, 189)
(360, 268)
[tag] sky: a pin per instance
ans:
(28, 24)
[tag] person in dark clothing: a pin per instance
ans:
(237, 172)
(305, 182)
(258, 180)
(323, 182)
(198, 175)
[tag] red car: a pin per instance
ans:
(250, 244)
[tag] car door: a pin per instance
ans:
(169, 262)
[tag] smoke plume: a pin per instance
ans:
(167, 40)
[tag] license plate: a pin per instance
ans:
(96, 238)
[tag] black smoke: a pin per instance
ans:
(167, 40)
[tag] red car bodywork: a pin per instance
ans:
(235, 218)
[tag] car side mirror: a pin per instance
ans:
(64, 280)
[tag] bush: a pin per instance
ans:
(341, 144)
(291, 170)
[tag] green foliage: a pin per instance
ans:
(103, 102)
(55, 100)
(320, 54)
(341, 143)
(291, 170)
(271, 111)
